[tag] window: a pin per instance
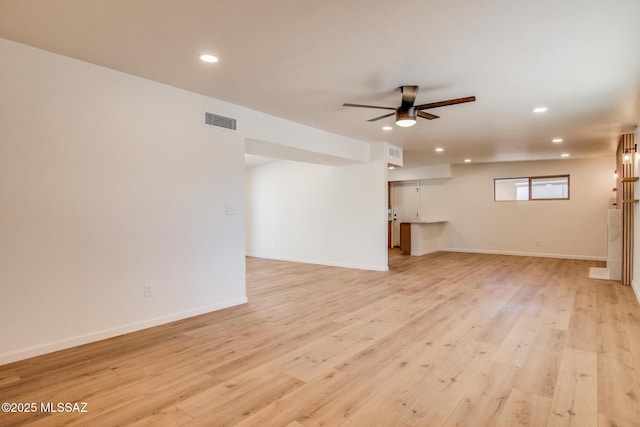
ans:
(552, 187)
(511, 189)
(532, 188)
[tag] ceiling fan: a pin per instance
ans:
(406, 113)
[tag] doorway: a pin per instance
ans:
(404, 205)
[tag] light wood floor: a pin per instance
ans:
(445, 339)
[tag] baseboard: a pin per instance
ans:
(113, 332)
(320, 262)
(421, 253)
(531, 254)
(636, 289)
(427, 252)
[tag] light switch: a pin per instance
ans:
(230, 210)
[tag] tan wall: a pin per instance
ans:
(569, 228)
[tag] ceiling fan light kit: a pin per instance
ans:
(407, 113)
(406, 118)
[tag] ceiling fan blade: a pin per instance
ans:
(445, 103)
(409, 94)
(381, 117)
(427, 115)
(367, 106)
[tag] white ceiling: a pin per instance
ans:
(301, 60)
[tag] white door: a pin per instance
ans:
(405, 206)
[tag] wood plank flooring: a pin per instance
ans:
(447, 339)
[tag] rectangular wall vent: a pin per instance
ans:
(394, 153)
(219, 121)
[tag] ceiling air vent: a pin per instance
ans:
(219, 121)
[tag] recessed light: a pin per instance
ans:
(209, 58)
(540, 109)
(439, 149)
(557, 140)
(467, 160)
(564, 155)
(387, 128)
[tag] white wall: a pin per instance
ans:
(333, 215)
(109, 182)
(420, 173)
(433, 203)
(573, 229)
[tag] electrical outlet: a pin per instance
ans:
(147, 291)
(230, 210)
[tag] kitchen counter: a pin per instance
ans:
(421, 237)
